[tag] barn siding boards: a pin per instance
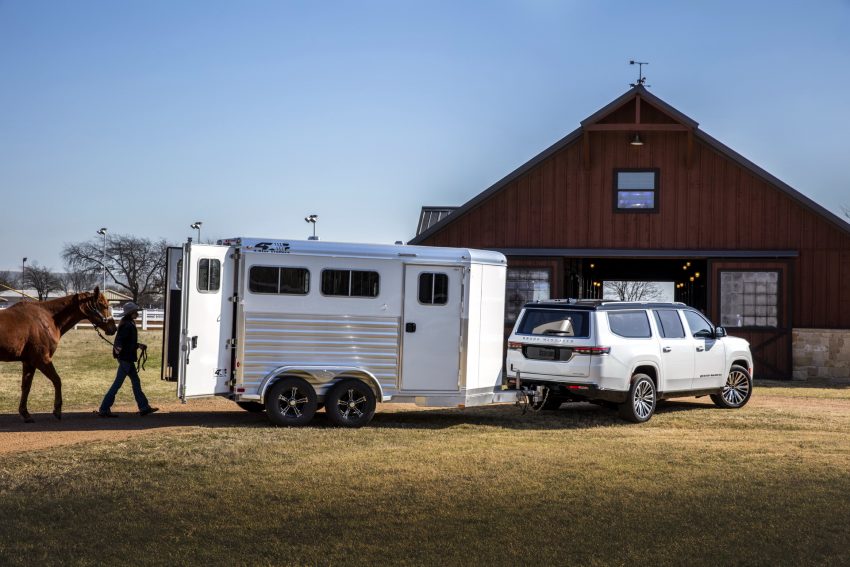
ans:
(721, 202)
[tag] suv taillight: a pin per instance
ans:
(514, 346)
(592, 350)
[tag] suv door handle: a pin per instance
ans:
(666, 349)
(700, 349)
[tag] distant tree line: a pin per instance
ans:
(135, 266)
(132, 264)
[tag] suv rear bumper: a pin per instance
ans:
(573, 390)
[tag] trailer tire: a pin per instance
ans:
(291, 401)
(253, 407)
(350, 403)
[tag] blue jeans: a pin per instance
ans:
(125, 369)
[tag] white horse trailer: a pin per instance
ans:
(289, 326)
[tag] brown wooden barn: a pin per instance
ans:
(639, 192)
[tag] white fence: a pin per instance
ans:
(149, 319)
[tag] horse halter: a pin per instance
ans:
(92, 313)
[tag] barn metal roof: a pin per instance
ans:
(430, 216)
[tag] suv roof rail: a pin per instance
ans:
(604, 303)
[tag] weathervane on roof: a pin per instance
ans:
(641, 79)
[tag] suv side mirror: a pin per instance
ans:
(719, 332)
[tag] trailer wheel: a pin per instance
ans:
(291, 401)
(350, 403)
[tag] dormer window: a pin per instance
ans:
(636, 190)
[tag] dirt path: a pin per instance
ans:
(83, 426)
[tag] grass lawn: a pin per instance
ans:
(87, 369)
(765, 485)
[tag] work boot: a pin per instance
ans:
(106, 414)
(148, 411)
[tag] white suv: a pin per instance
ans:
(629, 354)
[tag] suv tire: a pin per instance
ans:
(640, 405)
(736, 393)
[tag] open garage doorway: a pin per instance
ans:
(634, 279)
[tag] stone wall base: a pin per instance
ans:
(821, 353)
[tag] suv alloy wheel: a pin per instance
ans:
(640, 405)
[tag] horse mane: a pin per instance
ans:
(60, 304)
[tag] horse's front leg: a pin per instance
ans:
(26, 384)
(49, 371)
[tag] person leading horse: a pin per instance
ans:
(30, 333)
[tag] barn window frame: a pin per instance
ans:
(524, 284)
(750, 298)
(655, 190)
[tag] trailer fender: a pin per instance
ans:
(321, 378)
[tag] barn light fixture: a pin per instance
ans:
(636, 141)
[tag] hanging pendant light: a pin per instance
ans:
(636, 141)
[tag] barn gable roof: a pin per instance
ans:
(599, 116)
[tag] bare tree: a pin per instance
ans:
(8, 279)
(42, 280)
(634, 291)
(134, 264)
(75, 281)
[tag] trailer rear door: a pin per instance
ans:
(207, 320)
(432, 328)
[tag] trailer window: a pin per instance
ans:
(278, 280)
(209, 275)
(433, 289)
(350, 283)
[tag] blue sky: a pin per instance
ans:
(143, 116)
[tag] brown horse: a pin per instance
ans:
(30, 332)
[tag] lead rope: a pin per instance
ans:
(143, 356)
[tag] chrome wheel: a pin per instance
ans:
(350, 403)
(737, 388)
(643, 400)
(292, 402)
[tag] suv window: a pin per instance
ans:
(669, 324)
(555, 322)
(700, 327)
(630, 324)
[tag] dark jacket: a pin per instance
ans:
(126, 341)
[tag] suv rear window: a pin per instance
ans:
(630, 324)
(555, 323)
